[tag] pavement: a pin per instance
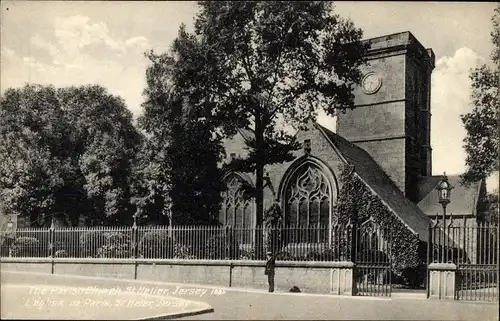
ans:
(32, 296)
(249, 304)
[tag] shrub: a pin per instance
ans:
(328, 255)
(59, 246)
(183, 252)
(104, 244)
(28, 247)
(247, 254)
(117, 245)
(69, 242)
(156, 245)
(221, 246)
(285, 256)
(414, 277)
(91, 242)
(61, 253)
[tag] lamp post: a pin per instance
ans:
(444, 191)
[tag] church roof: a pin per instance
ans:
(464, 199)
(373, 175)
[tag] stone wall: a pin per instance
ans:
(311, 277)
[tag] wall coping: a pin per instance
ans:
(442, 266)
(26, 260)
(229, 263)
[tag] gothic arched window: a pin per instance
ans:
(237, 204)
(370, 236)
(308, 203)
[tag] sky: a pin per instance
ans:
(92, 42)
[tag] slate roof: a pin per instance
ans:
(463, 199)
(371, 173)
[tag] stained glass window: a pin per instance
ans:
(237, 207)
(308, 204)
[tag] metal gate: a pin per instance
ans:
(474, 250)
(373, 260)
(477, 270)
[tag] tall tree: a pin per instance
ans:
(151, 182)
(196, 178)
(65, 152)
(181, 177)
(493, 208)
(483, 122)
(265, 65)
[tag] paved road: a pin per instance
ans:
(256, 304)
(241, 306)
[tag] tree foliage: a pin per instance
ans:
(65, 152)
(493, 208)
(261, 65)
(482, 123)
(180, 174)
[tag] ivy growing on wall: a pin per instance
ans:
(358, 203)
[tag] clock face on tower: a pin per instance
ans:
(371, 83)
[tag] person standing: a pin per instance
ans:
(270, 266)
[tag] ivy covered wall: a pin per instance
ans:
(358, 202)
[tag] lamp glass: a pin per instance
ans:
(444, 190)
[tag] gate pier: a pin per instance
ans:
(442, 281)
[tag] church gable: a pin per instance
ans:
(320, 148)
(313, 171)
(314, 144)
(465, 200)
(357, 197)
(380, 184)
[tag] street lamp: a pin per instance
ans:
(444, 192)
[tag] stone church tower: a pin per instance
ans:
(392, 117)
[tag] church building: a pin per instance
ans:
(386, 139)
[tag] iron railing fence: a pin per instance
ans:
(32, 242)
(474, 251)
(306, 243)
(463, 244)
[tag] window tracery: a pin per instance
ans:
(308, 199)
(237, 204)
(308, 205)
